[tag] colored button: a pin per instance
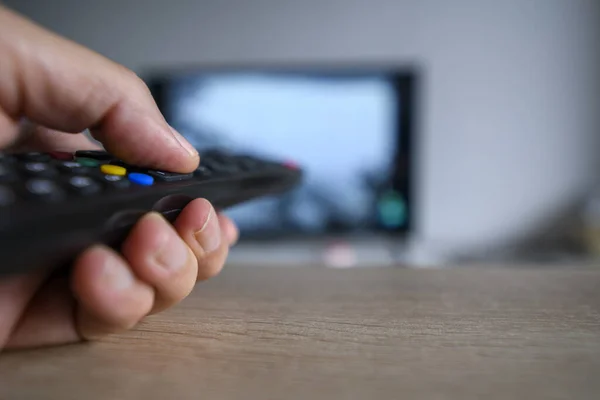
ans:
(141, 179)
(61, 155)
(113, 170)
(290, 165)
(87, 162)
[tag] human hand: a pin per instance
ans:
(63, 89)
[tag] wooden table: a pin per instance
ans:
(313, 333)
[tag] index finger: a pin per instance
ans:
(61, 85)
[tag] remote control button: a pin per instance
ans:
(202, 172)
(215, 154)
(248, 163)
(7, 174)
(61, 155)
(33, 156)
(40, 169)
(221, 166)
(116, 181)
(109, 169)
(43, 189)
(119, 163)
(83, 185)
(7, 159)
(95, 154)
(7, 196)
(72, 167)
(87, 162)
(290, 165)
(128, 167)
(170, 176)
(141, 179)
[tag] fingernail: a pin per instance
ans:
(173, 254)
(184, 143)
(116, 276)
(209, 237)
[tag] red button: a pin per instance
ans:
(61, 155)
(290, 165)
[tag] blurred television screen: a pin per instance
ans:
(343, 129)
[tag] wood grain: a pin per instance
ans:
(299, 333)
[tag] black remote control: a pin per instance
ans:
(54, 205)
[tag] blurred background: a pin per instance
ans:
(433, 132)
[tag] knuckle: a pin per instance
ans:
(138, 83)
(132, 80)
(126, 72)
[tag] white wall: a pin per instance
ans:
(509, 122)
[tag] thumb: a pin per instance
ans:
(63, 86)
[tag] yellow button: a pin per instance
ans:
(113, 170)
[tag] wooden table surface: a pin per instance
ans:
(300, 333)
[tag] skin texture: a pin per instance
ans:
(51, 90)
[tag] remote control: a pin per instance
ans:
(54, 205)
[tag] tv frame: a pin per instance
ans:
(406, 85)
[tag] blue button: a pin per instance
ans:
(141, 179)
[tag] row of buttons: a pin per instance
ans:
(86, 172)
(212, 163)
(49, 189)
(51, 165)
(38, 169)
(50, 176)
(109, 165)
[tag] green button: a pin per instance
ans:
(87, 162)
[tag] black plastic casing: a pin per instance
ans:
(36, 235)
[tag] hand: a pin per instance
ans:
(64, 89)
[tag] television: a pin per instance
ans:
(350, 129)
